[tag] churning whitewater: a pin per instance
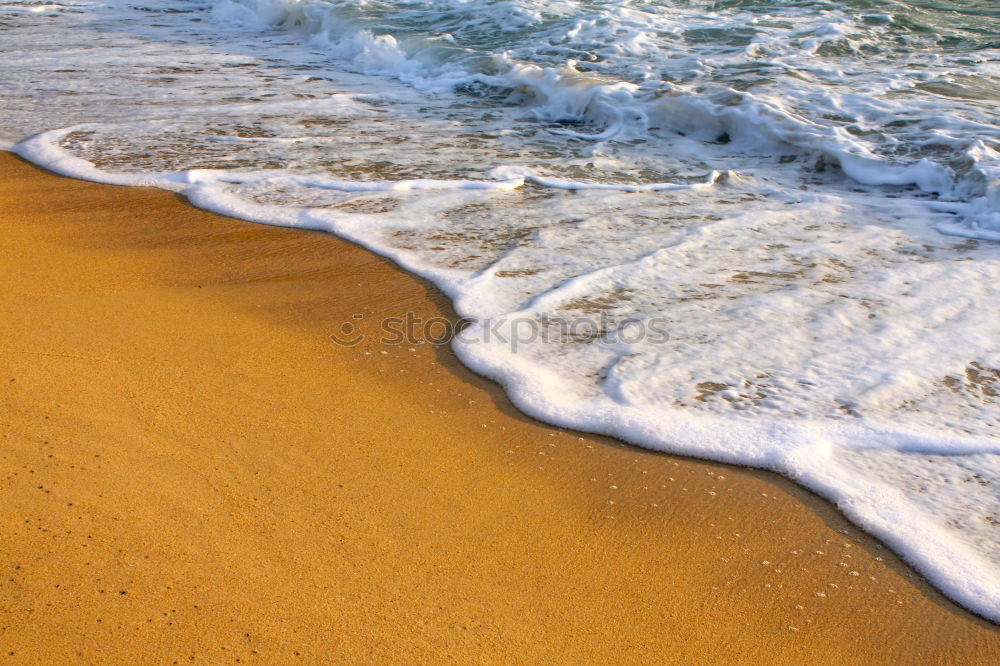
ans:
(776, 221)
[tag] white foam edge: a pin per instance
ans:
(879, 509)
(44, 150)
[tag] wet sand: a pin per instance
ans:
(192, 471)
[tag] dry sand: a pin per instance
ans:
(191, 471)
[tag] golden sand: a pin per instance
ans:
(191, 471)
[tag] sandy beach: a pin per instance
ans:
(192, 471)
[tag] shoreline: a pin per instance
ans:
(192, 468)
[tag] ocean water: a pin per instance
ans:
(765, 232)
